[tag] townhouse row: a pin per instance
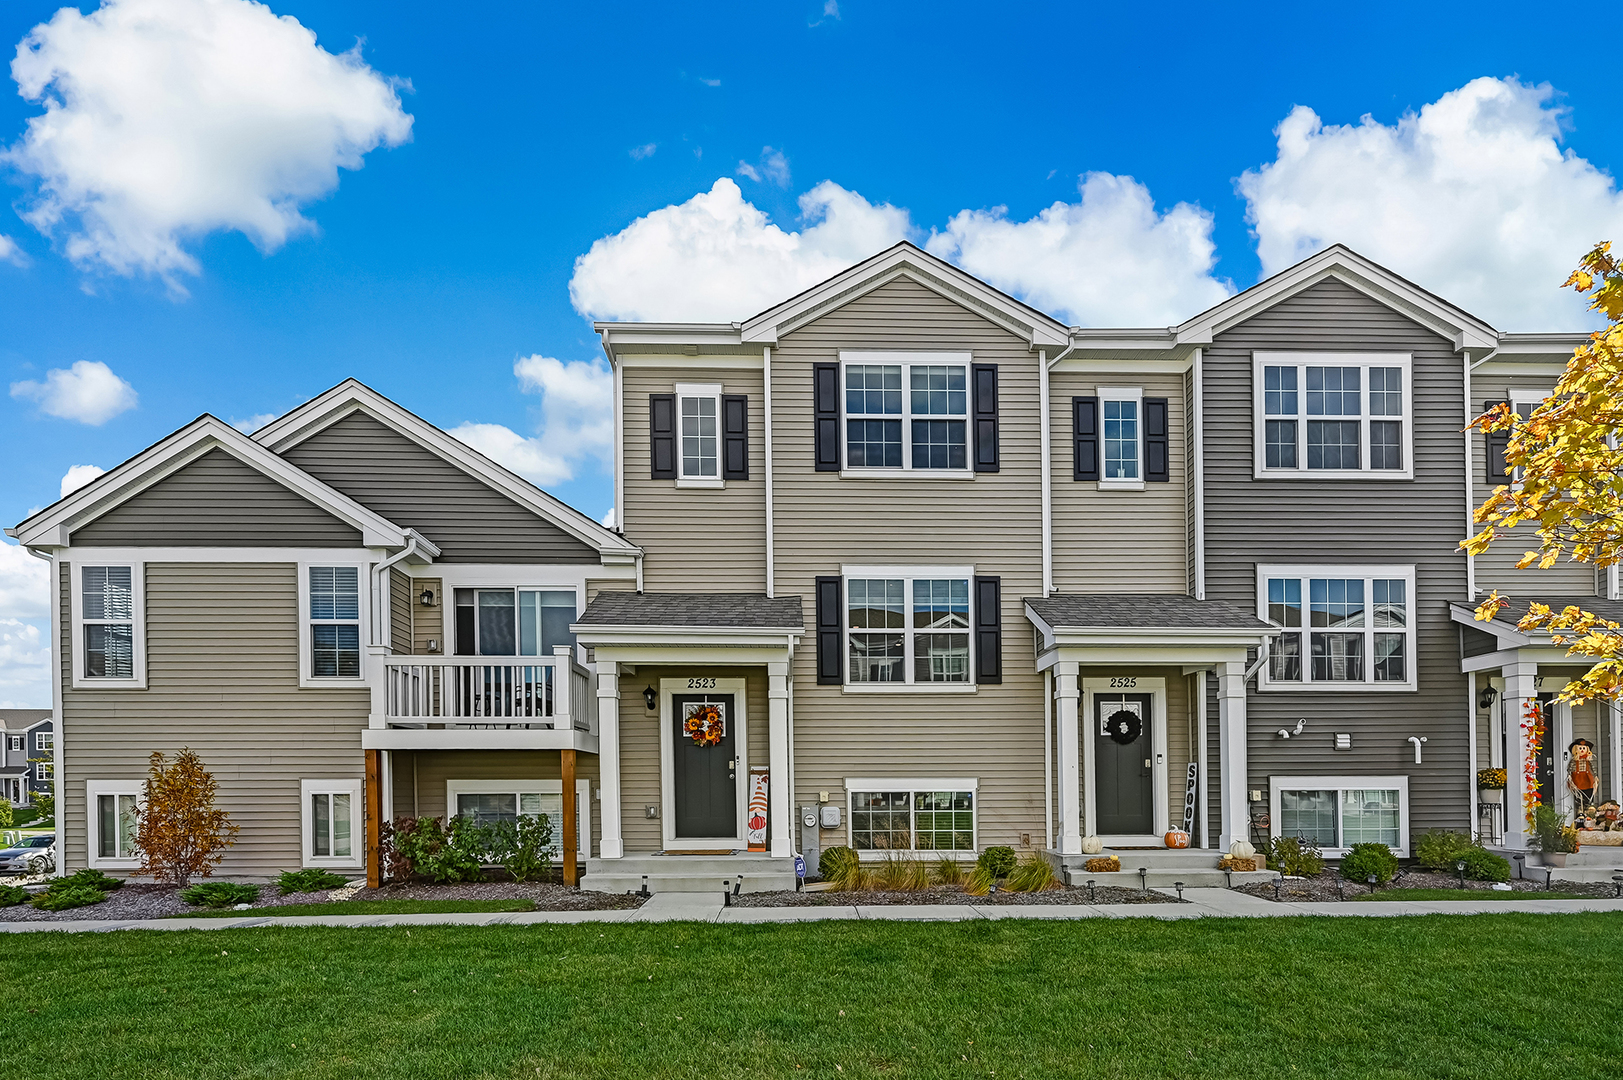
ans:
(901, 564)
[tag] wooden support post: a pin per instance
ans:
(571, 875)
(374, 819)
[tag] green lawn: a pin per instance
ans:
(1443, 996)
(1468, 894)
(362, 907)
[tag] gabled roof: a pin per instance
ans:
(17, 720)
(351, 396)
(1338, 261)
(52, 526)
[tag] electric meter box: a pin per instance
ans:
(830, 816)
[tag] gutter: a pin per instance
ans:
(377, 591)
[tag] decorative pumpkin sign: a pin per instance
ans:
(704, 722)
(1177, 838)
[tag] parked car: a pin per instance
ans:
(34, 855)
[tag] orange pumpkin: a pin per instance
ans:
(1177, 838)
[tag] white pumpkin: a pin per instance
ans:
(1092, 845)
(1242, 848)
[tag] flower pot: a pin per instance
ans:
(1491, 795)
(1553, 858)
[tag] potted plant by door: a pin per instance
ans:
(1490, 785)
(1556, 839)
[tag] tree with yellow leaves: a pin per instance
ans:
(178, 830)
(1570, 482)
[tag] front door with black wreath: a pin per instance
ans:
(1124, 796)
(705, 767)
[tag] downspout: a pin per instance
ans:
(58, 732)
(1048, 759)
(766, 393)
(619, 445)
(1470, 560)
(1199, 479)
(378, 593)
(1048, 487)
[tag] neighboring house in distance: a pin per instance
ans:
(27, 734)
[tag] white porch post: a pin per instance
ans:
(612, 846)
(1521, 685)
(1616, 764)
(780, 797)
(1236, 819)
(1068, 749)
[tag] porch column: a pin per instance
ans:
(1615, 715)
(570, 844)
(1521, 686)
(780, 799)
(611, 846)
(1236, 819)
(373, 797)
(1068, 749)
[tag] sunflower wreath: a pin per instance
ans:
(703, 724)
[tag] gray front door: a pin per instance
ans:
(1124, 777)
(705, 776)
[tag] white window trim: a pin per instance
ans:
(16, 744)
(138, 628)
(700, 390)
(908, 574)
(42, 771)
(1519, 396)
(907, 360)
(307, 680)
(1338, 784)
(583, 793)
(333, 786)
(912, 785)
(1134, 394)
(93, 789)
(44, 740)
(1366, 572)
(1259, 360)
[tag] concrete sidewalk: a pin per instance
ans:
(703, 907)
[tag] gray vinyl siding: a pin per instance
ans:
(413, 487)
(696, 539)
(402, 598)
(1111, 540)
(993, 522)
(1336, 522)
(222, 679)
(420, 777)
(217, 501)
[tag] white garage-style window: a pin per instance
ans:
(1347, 627)
(332, 822)
(508, 800)
(1329, 415)
(1336, 812)
(110, 814)
(109, 621)
(920, 814)
(332, 624)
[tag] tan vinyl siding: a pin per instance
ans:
(217, 501)
(993, 522)
(696, 539)
(402, 598)
(413, 487)
(420, 777)
(428, 623)
(1118, 541)
(222, 679)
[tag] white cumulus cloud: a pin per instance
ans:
(718, 258)
(10, 252)
(88, 392)
(576, 422)
(78, 476)
(168, 119)
(251, 424)
(1109, 259)
(1472, 197)
(25, 666)
(24, 584)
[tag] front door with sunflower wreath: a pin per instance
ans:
(705, 766)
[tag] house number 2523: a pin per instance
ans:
(1124, 683)
(701, 684)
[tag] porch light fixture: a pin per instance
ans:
(651, 697)
(428, 598)
(1519, 857)
(1485, 699)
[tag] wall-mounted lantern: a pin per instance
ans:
(651, 696)
(428, 598)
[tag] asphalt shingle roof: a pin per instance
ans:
(1143, 611)
(741, 610)
(1512, 612)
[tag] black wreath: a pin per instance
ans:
(1124, 727)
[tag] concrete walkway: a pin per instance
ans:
(703, 907)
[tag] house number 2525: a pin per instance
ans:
(701, 684)
(1124, 683)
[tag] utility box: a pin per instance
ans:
(829, 816)
(811, 844)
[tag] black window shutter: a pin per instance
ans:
(1498, 443)
(830, 623)
(1084, 438)
(1157, 447)
(662, 436)
(989, 630)
(826, 403)
(735, 430)
(984, 386)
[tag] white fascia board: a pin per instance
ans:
(598, 635)
(1554, 346)
(52, 526)
(671, 335)
(1089, 346)
(464, 739)
(1505, 634)
(351, 396)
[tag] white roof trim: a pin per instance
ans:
(351, 395)
(52, 526)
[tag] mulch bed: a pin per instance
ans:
(1323, 887)
(949, 894)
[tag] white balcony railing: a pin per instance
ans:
(488, 692)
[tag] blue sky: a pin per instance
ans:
(535, 131)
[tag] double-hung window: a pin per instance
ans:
(1121, 430)
(44, 741)
(912, 815)
(698, 434)
(908, 629)
(1336, 812)
(1349, 627)
(112, 821)
(107, 606)
(332, 822)
(906, 411)
(1329, 415)
(335, 622)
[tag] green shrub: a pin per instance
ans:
(445, 852)
(948, 871)
(998, 861)
(522, 846)
(1552, 833)
(220, 894)
(88, 879)
(1295, 856)
(832, 860)
(1366, 859)
(55, 899)
(1483, 865)
(314, 879)
(1440, 849)
(12, 894)
(1033, 874)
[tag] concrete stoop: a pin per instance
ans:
(750, 871)
(1590, 864)
(1195, 868)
